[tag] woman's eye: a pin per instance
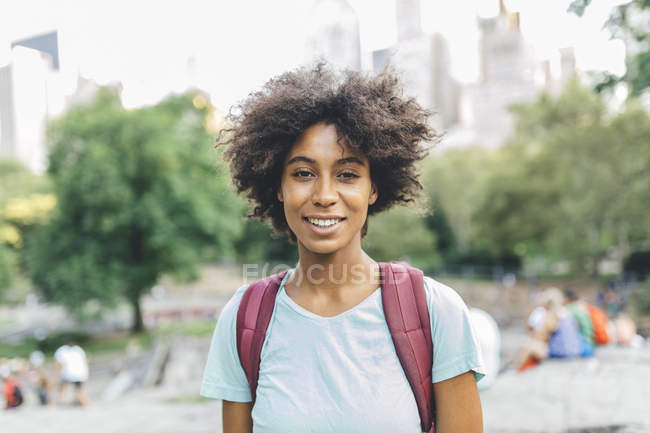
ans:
(302, 173)
(349, 175)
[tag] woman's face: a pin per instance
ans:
(326, 190)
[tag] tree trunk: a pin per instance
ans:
(137, 324)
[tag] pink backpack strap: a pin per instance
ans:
(407, 316)
(253, 317)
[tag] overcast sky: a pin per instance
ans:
(237, 45)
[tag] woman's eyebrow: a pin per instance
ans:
(299, 159)
(350, 159)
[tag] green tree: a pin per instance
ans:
(24, 202)
(401, 234)
(7, 269)
(17, 181)
(572, 181)
(139, 194)
(258, 244)
(438, 223)
(455, 182)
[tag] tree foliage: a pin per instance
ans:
(401, 234)
(572, 183)
(7, 268)
(453, 181)
(139, 194)
(258, 244)
(25, 200)
(17, 181)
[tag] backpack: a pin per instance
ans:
(599, 321)
(566, 341)
(15, 398)
(407, 316)
(585, 327)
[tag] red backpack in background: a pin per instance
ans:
(599, 321)
(407, 315)
(13, 393)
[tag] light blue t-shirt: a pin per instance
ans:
(341, 373)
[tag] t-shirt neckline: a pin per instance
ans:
(282, 294)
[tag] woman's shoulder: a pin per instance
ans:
(441, 296)
(446, 306)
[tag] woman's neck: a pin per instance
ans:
(329, 273)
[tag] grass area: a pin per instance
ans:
(92, 345)
(19, 350)
(5, 323)
(119, 342)
(203, 328)
(106, 343)
(188, 398)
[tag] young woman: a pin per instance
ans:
(316, 153)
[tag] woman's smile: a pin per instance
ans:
(324, 226)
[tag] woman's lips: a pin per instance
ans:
(324, 230)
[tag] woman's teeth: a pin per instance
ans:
(323, 223)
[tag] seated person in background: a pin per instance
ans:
(11, 389)
(625, 331)
(565, 341)
(580, 312)
(542, 323)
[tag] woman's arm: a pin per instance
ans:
(236, 417)
(458, 405)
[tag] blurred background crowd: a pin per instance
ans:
(120, 231)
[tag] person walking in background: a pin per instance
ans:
(347, 341)
(72, 368)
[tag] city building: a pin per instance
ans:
(509, 74)
(32, 92)
(47, 43)
(24, 95)
(423, 62)
(334, 34)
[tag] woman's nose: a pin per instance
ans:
(325, 193)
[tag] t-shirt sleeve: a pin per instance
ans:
(223, 376)
(456, 349)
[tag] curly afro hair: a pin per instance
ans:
(369, 112)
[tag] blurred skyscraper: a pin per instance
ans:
(506, 76)
(47, 43)
(334, 34)
(424, 62)
(32, 92)
(509, 73)
(26, 100)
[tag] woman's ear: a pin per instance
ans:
(280, 197)
(373, 195)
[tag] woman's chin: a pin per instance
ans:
(321, 247)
